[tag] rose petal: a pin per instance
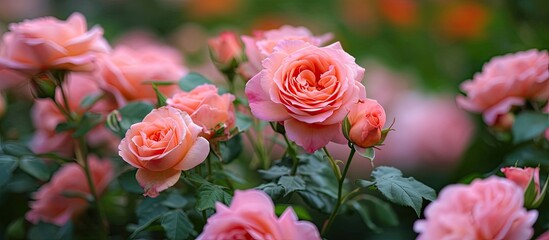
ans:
(154, 182)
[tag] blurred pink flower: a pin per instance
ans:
(309, 88)
(53, 206)
(161, 146)
(251, 216)
(366, 119)
(226, 48)
(46, 116)
(523, 176)
(14, 10)
(544, 236)
(208, 109)
(489, 208)
(507, 81)
(125, 72)
(262, 44)
(48, 43)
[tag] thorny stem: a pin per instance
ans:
(339, 192)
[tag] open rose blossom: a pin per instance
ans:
(53, 203)
(309, 89)
(489, 208)
(251, 216)
(507, 81)
(161, 146)
(125, 72)
(225, 48)
(262, 44)
(366, 118)
(208, 109)
(48, 43)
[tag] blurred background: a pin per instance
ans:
(416, 54)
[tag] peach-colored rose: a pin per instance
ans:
(366, 118)
(46, 116)
(161, 146)
(125, 71)
(208, 109)
(523, 176)
(309, 88)
(251, 216)
(48, 43)
(262, 44)
(52, 204)
(507, 81)
(491, 208)
(225, 48)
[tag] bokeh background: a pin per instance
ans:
(416, 54)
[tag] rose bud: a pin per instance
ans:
(226, 50)
(366, 119)
(528, 179)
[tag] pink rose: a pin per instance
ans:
(53, 206)
(48, 43)
(161, 146)
(125, 71)
(544, 236)
(507, 81)
(522, 176)
(46, 116)
(208, 109)
(367, 119)
(251, 216)
(309, 88)
(262, 44)
(489, 208)
(225, 49)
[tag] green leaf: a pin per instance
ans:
(177, 225)
(291, 184)
(275, 172)
(46, 231)
(16, 149)
(364, 183)
(87, 123)
(175, 200)
(231, 149)
(7, 165)
(16, 229)
(530, 193)
(368, 153)
(346, 127)
(243, 122)
(527, 155)
(128, 182)
(318, 200)
(528, 125)
(160, 97)
(372, 209)
(301, 212)
(35, 167)
(209, 194)
(400, 190)
(192, 80)
(132, 113)
(65, 126)
(274, 190)
(148, 211)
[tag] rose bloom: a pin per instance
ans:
(507, 81)
(208, 109)
(161, 146)
(366, 119)
(523, 176)
(48, 43)
(125, 72)
(309, 89)
(52, 206)
(262, 44)
(46, 116)
(489, 208)
(225, 48)
(251, 216)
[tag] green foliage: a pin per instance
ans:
(120, 121)
(191, 81)
(34, 167)
(401, 190)
(175, 200)
(87, 123)
(231, 149)
(128, 182)
(301, 212)
(209, 194)
(177, 225)
(7, 165)
(291, 184)
(46, 231)
(368, 153)
(160, 97)
(372, 210)
(529, 125)
(274, 190)
(148, 211)
(243, 122)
